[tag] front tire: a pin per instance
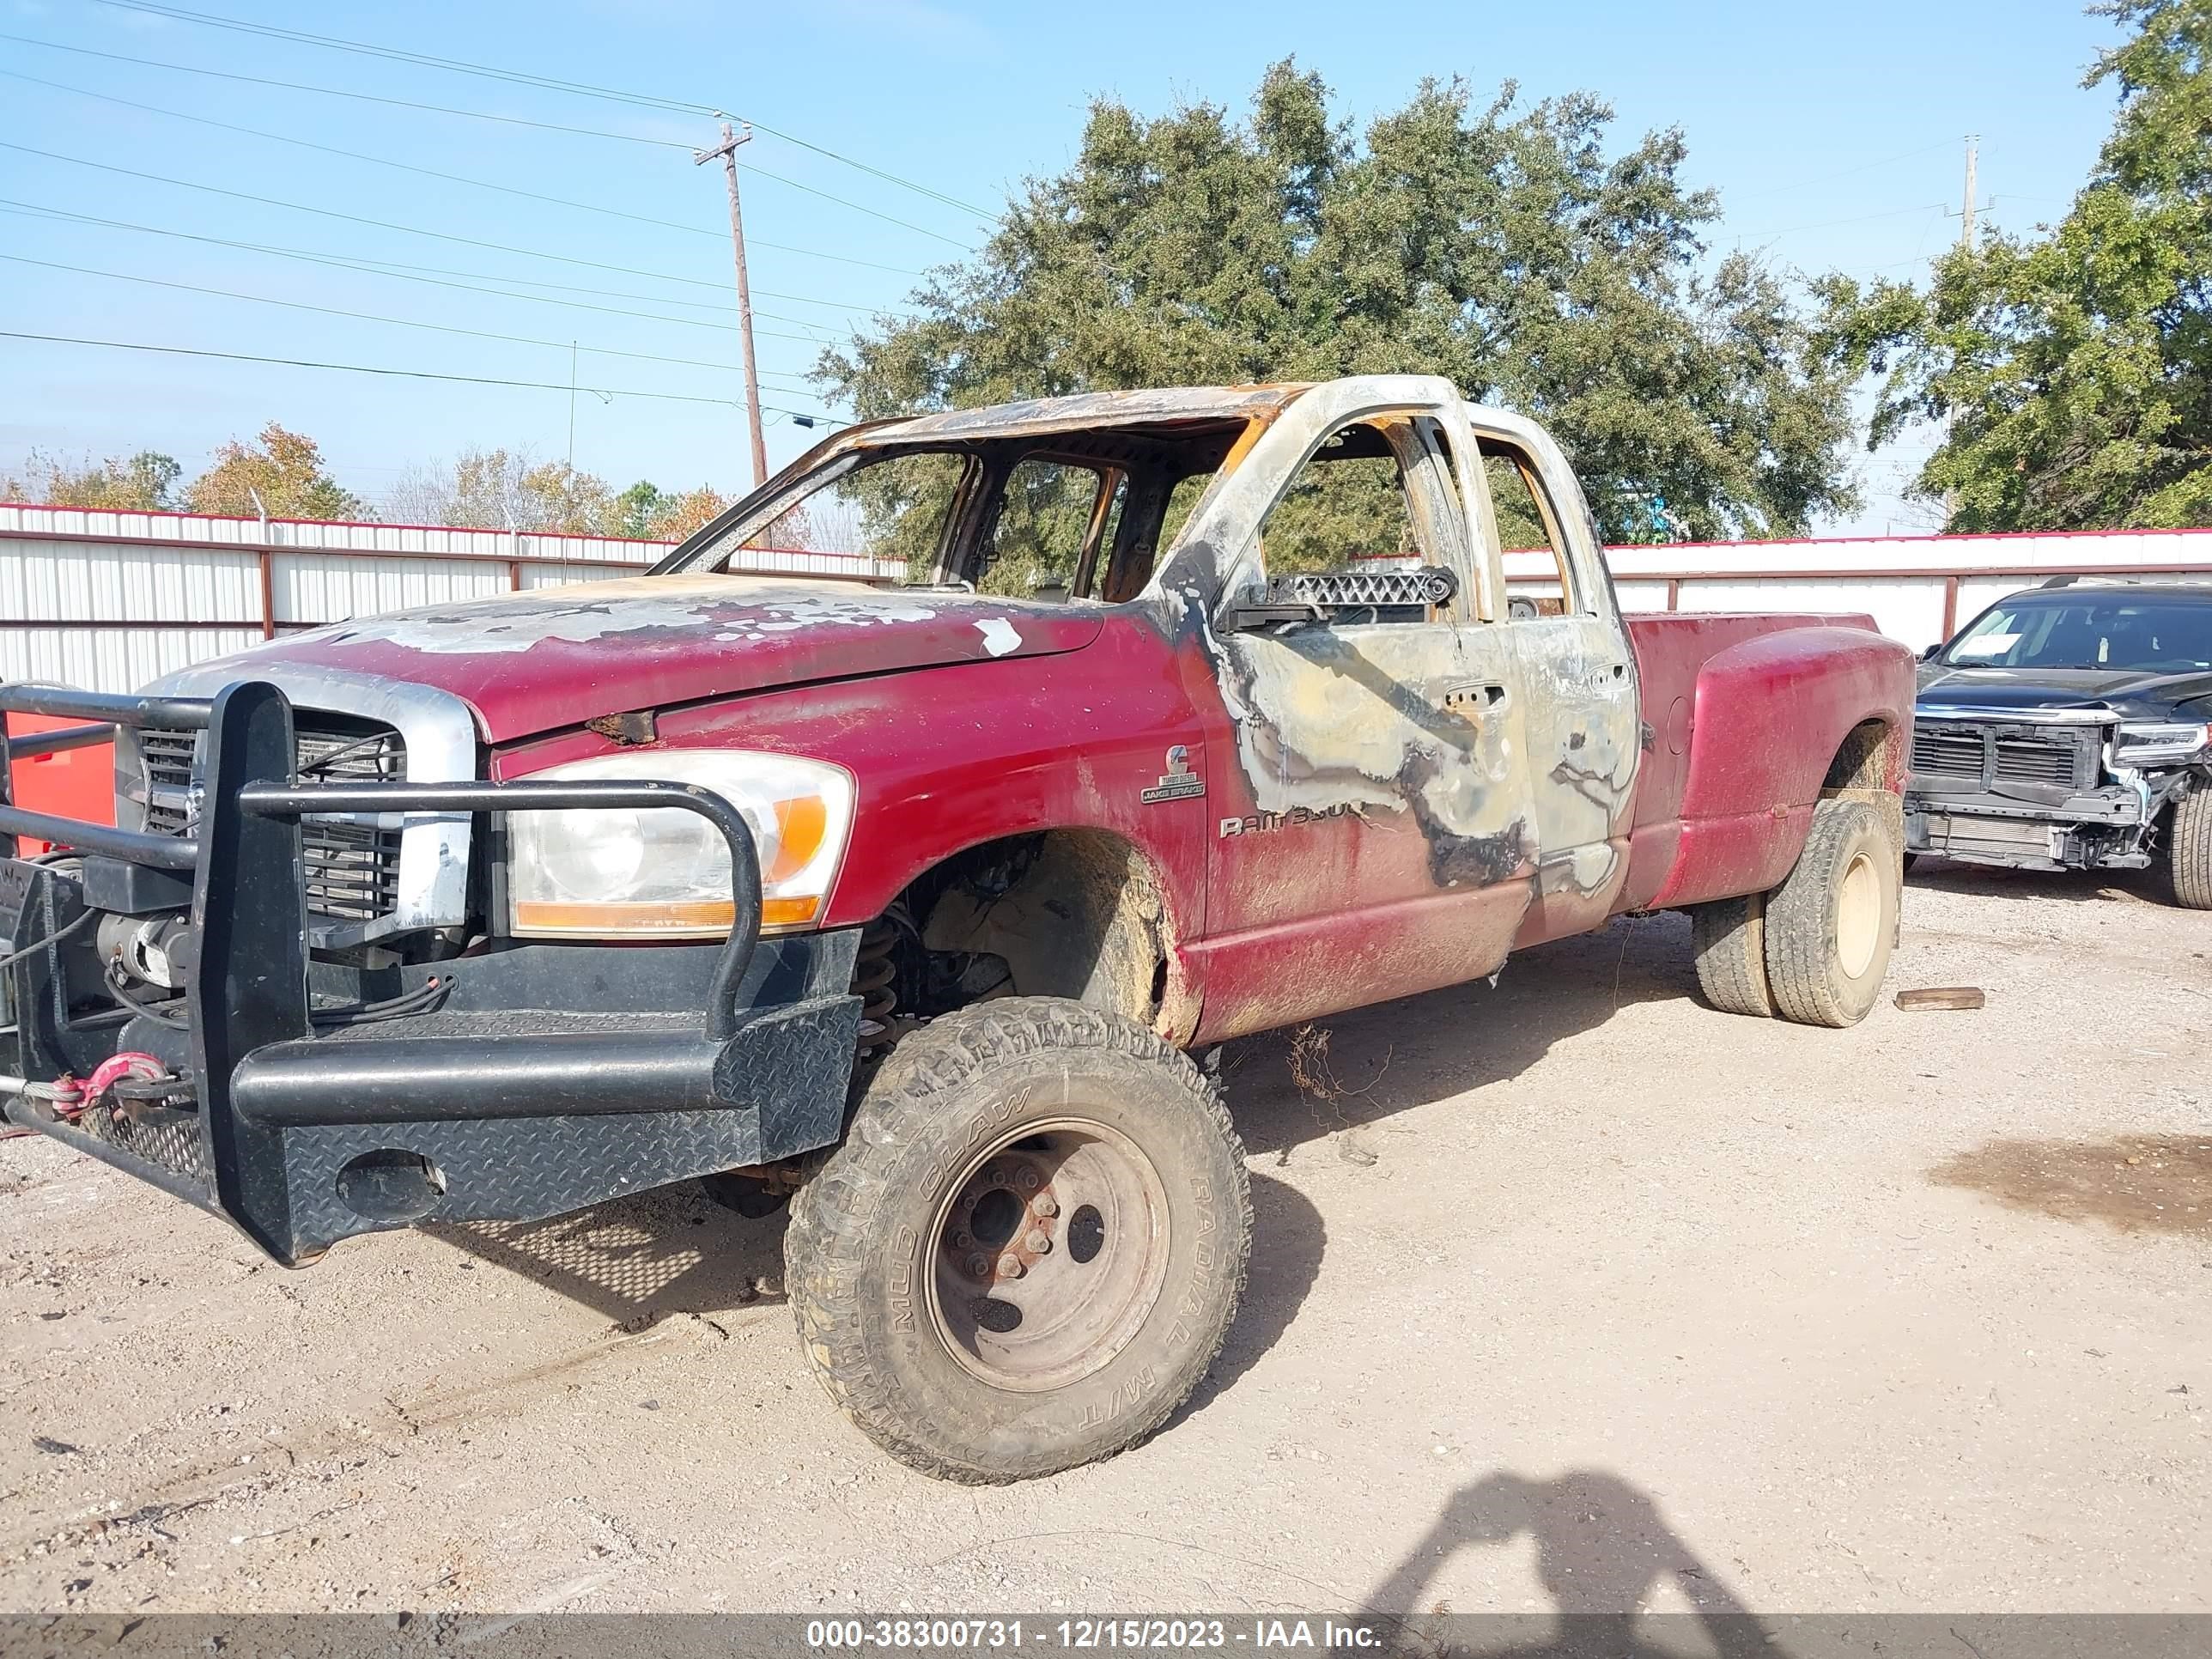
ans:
(2189, 850)
(1029, 1247)
(1831, 923)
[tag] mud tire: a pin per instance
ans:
(1727, 942)
(1831, 923)
(2189, 850)
(860, 1253)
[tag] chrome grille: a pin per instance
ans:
(352, 870)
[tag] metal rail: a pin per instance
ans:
(31, 745)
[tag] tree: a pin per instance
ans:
(567, 502)
(676, 516)
(1502, 251)
(146, 483)
(636, 507)
(2074, 367)
(509, 489)
(283, 469)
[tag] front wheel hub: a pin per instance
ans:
(1052, 1249)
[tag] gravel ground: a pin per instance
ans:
(1577, 1296)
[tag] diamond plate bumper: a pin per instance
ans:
(302, 1131)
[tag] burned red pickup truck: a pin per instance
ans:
(1208, 712)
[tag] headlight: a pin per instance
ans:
(665, 873)
(2148, 741)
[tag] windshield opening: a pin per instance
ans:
(1080, 516)
(2148, 635)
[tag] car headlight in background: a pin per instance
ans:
(2145, 742)
(665, 873)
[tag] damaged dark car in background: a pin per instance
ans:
(2070, 727)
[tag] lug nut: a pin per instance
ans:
(1038, 1242)
(958, 1238)
(1010, 1267)
(1027, 1180)
(1045, 1205)
(979, 1266)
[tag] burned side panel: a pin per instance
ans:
(1382, 722)
(1585, 756)
(1375, 836)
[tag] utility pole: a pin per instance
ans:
(1966, 246)
(727, 152)
(1967, 224)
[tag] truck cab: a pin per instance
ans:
(1204, 712)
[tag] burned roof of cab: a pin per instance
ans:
(1161, 406)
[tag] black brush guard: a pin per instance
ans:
(301, 1138)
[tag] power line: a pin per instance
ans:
(588, 207)
(461, 178)
(401, 274)
(1765, 236)
(395, 268)
(983, 214)
(354, 218)
(403, 374)
(1829, 177)
(331, 43)
(457, 66)
(357, 156)
(370, 317)
(337, 92)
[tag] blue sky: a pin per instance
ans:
(1834, 134)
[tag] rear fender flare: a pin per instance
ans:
(1770, 716)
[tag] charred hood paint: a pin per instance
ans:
(531, 663)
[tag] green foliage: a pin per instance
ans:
(636, 507)
(146, 483)
(2075, 367)
(1506, 251)
(283, 469)
(1338, 510)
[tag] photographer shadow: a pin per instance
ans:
(1603, 1549)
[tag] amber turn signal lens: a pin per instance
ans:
(800, 826)
(700, 918)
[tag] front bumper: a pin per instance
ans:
(2103, 830)
(516, 1082)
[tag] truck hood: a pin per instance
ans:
(535, 662)
(2128, 692)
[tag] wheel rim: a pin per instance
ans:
(1859, 915)
(1048, 1253)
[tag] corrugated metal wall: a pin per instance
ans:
(108, 601)
(1918, 589)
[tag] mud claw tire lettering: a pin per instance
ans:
(861, 1248)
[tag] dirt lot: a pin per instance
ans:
(1581, 1296)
